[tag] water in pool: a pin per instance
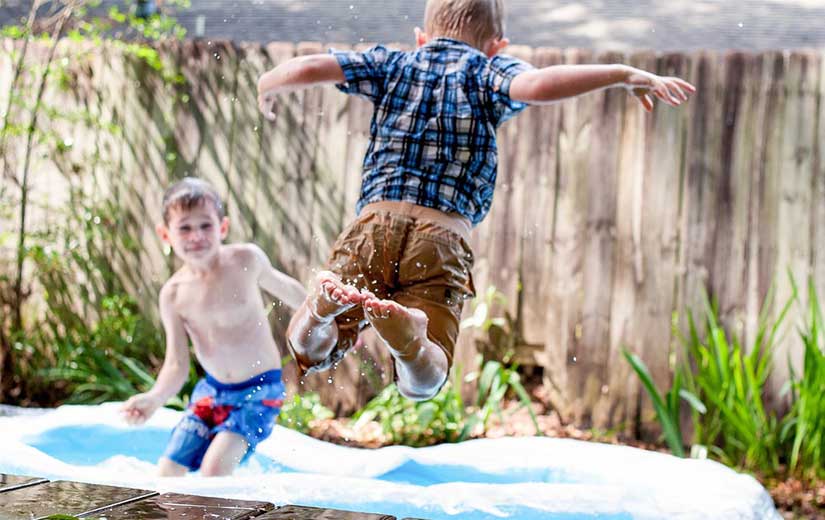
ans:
(526, 478)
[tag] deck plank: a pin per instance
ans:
(12, 482)
(189, 507)
(63, 497)
(290, 512)
(33, 498)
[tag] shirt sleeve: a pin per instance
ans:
(500, 72)
(364, 71)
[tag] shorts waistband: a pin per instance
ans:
(456, 223)
(270, 376)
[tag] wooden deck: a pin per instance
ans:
(32, 498)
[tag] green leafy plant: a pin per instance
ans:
(75, 346)
(495, 380)
(803, 428)
(724, 385)
(92, 343)
(445, 417)
(411, 423)
(301, 410)
(667, 406)
(501, 332)
(731, 381)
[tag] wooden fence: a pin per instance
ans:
(607, 224)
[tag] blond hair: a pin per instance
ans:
(188, 193)
(471, 21)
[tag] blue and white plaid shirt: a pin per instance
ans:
(433, 131)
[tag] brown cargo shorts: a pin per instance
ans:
(418, 257)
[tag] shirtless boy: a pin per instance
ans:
(214, 301)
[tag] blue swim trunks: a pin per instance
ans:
(248, 408)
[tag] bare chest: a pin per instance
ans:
(228, 304)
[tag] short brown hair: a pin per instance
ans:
(472, 21)
(188, 193)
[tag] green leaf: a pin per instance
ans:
(671, 430)
(693, 401)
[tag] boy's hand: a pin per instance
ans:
(266, 102)
(671, 90)
(140, 407)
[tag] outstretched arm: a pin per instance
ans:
(296, 74)
(175, 367)
(559, 82)
(280, 285)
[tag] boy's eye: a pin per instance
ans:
(206, 226)
(185, 229)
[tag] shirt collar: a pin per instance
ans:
(443, 41)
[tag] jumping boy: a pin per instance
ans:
(214, 301)
(428, 176)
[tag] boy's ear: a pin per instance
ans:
(421, 38)
(495, 46)
(163, 233)
(224, 227)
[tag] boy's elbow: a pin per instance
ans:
(316, 68)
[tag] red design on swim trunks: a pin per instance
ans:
(209, 413)
(273, 403)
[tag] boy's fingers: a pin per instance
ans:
(676, 87)
(661, 91)
(664, 94)
(674, 91)
(684, 84)
(646, 102)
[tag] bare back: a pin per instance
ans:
(223, 314)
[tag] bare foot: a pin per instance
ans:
(331, 296)
(403, 329)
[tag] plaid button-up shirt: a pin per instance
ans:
(433, 131)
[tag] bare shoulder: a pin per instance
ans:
(246, 254)
(169, 291)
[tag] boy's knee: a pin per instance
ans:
(216, 468)
(418, 395)
(422, 391)
(169, 468)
